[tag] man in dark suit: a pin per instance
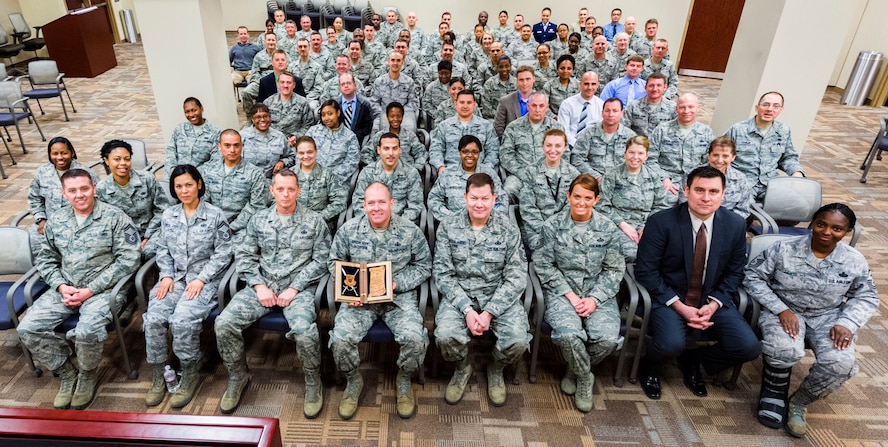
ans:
(361, 120)
(268, 83)
(691, 259)
(514, 105)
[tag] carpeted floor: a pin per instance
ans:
(119, 103)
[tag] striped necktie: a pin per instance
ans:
(583, 115)
(348, 115)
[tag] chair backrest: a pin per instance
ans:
(4, 38)
(3, 73)
(19, 25)
(792, 198)
(43, 72)
(15, 251)
(10, 92)
(140, 155)
(759, 243)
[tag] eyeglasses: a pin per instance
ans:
(768, 105)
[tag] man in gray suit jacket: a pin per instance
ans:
(514, 105)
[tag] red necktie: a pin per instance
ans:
(695, 286)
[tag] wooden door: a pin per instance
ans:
(709, 37)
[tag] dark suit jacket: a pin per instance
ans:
(268, 86)
(362, 118)
(507, 110)
(666, 252)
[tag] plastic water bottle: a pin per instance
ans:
(172, 381)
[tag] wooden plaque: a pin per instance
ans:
(363, 282)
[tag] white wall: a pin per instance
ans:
(672, 14)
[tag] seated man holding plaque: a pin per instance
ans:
(481, 272)
(374, 238)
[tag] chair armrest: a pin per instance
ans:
(331, 302)
(769, 225)
(854, 237)
(37, 31)
(423, 298)
(632, 287)
(142, 287)
(154, 167)
(10, 302)
(323, 285)
(433, 294)
(537, 289)
(19, 218)
(29, 287)
(232, 276)
(112, 303)
(223, 285)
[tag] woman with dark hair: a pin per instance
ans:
(580, 267)
(319, 188)
(815, 291)
(45, 194)
(195, 141)
(565, 85)
(559, 45)
(338, 148)
(135, 192)
(265, 147)
(446, 196)
(413, 152)
(194, 250)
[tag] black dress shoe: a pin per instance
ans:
(651, 386)
(693, 380)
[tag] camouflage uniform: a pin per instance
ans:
(522, 149)
(279, 256)
(264, 149)
(142, 199)
(240, 192)
(404, 91)
(446, 110)
(199, 249)
(593, 154)
(674, 154)
(588, 263)
(620, 60)
(635, 43)
(760, 154)
(192, 145)
(558, 48)
(738, 193)
(338, 149)
(434, 94)
(493, 90)
(444, 149)
(543, 75)
(557, 93)
(404, 184)
(404, 244)
(485, 71)
(643, 117)
(364, 70)
(45, 197)
(605, 68)
(520, 50)
(668, 70)
(94, 255)
(311, 72)
(413, 153)
(322, 191)
(292, 117)
(388, 33)
(446, 195)
(837, 290)
(631, 198)
(484, 271)
(543, 194)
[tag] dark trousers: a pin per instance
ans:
(670, 335)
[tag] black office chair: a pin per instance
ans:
(22, 33)
(8, 49)
(875, 153)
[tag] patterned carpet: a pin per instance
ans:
(119, 103)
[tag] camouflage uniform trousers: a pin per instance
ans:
(402, 317)
(628, 247)
(584, 342)
(180, 316)
(831, 368)
(37, 330)
(510, 329)
(245, 309)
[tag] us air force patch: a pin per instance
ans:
(223, 231)
(131, 234)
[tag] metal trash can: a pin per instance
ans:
(862, 78)
(129, 25)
